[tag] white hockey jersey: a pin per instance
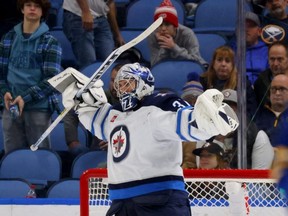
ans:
(144, 150)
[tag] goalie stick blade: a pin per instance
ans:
(97, 75)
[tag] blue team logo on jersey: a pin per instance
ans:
(120, 143)
(272, 33)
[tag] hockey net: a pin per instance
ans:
(211, 192)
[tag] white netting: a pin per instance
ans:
(214, 196)
(98, 192)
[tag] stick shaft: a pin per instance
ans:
(51, 127)
(100, 71)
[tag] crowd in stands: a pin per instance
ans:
(94, 32)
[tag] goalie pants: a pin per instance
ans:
(167, 202)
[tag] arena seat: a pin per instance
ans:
(92, 68)
(140, 13)
(172, 74)
(37, 167)
(88, 160)
(130, 34)
(208, 42)
(13, 188)
(58, 141)
(65, 188)
(68, 57)
(210, 16)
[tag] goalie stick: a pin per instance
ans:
(97, 75)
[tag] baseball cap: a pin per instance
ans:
(230, 95)
(210, 147)
(253, 17)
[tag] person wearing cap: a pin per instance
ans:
(211, 156)
(190, 92)
(172, 40)
(192, 89)
(260, 153)
(275, 22)
(222, 74)
(256, 49)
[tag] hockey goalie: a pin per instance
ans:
(144, 133)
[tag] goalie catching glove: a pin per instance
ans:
(213, 116)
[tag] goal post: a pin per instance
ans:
(211, 192)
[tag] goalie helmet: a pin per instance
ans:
(132, 83)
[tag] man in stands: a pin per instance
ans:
(256, 49)
(278, 64)
(269, 116)
(275, 23)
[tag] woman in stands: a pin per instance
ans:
(222, 74)
(211, 156)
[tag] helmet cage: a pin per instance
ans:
(132, 82)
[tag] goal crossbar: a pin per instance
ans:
(229, 192)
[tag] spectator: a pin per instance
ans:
(272, 113)
(9, 16)
(172, 40)
(260, 153)
(29, 56)
(278, 64)
(259, 150)
(211, 156)
(275, 22)
(88, 27)
(191, 90)
(222, 74)
(256, 49)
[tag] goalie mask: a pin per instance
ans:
(132, 83)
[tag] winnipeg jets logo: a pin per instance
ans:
(272, 33)
(120, 143)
